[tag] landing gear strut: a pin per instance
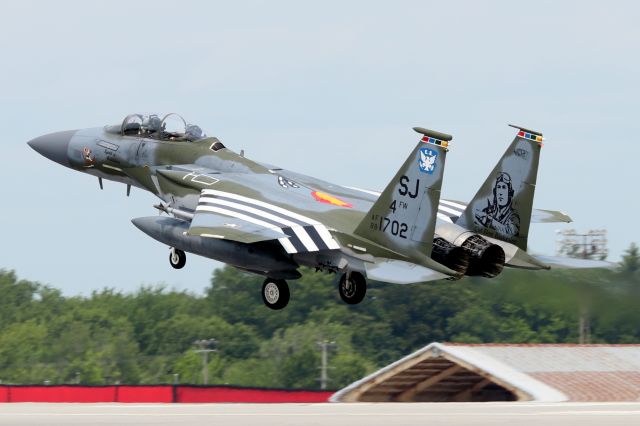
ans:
(275, 293)
(352, 287)
(177, 258)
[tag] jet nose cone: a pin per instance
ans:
(54, 146)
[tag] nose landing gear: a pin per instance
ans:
(177, 258)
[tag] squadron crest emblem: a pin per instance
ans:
(427, 161)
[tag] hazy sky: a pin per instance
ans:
(330, 89)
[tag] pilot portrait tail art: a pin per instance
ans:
(502, 206)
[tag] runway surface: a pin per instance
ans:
(362, 414)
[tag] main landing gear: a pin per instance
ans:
(177, 258)
(352, 287)
(275, 293)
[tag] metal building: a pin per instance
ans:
(504, 372)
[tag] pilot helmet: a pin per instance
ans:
(193, 132)
(154, 123)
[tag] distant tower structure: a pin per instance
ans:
(589, 245)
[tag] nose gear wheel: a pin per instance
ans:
(177, 258)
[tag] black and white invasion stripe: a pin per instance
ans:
(305, 234)
(450, 211)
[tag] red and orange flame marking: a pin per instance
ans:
(329, 199)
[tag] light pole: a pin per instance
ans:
(324, 347)
(204, 349)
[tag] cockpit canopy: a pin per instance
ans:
(171, 127)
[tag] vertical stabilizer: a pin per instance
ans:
(502, 206)
(403, 217)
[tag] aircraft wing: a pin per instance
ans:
(450, 211)
(221, 214)
(214, 221)
(208, 222)
(549, 216)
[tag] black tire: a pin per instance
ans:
(352, 290)
(275, 293)
(177, 258)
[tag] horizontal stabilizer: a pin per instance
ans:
(549, 216)
(558, 262)
(451, 210)
(400, 272)
(523, 260)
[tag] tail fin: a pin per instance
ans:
(502, 206)
(403, 217)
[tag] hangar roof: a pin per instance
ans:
(490, 372)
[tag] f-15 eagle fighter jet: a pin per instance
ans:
(270, 221)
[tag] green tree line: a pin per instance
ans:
(148, 336)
